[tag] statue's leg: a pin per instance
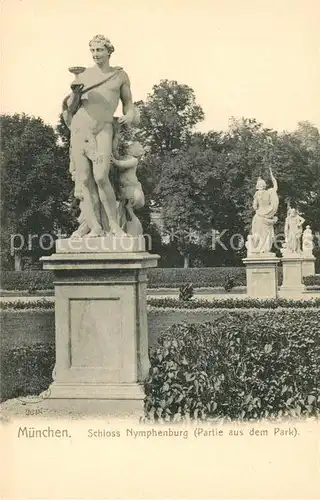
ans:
(89, 193)
(101, 168)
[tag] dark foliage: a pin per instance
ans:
(246, 366)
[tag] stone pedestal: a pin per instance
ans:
(292, 284)
(101, 327)
(308, 266)
(262, 276)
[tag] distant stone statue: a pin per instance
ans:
(129, 189)
(265, 204)
(293, 231)
(89, 113)
(307, 242)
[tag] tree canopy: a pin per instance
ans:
(201, 182)
(35, 182)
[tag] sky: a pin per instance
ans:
(252, 58)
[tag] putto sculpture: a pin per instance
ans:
(98, 146)
(265, 204)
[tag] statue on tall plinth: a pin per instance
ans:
(265, 204)
(96, 137)
(293, 232)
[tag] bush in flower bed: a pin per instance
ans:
(19, 305)
(204, 277)
(26, 370)
(247, 365)
(230, 303)
(313, 281)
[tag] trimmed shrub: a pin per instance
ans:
(245, 366)
(312, 280)
(230, 303)
(27, 280)
(173, 303)
(200, 277)
(19, 305)
(186, 292)
(26, 370)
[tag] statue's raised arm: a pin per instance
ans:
(274, 180)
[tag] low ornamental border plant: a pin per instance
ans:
(26, 370)
(243, 367)
(173, 303)
(27, 305)
(231, 303)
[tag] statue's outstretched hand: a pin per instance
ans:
(274, 181)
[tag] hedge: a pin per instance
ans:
(26, 370)
(173, 303)
(158, 278)
(248, 365)
(199, 277)
(230, 303)
(19, 305)
(203, 277)
(312, 280)
(27, 280)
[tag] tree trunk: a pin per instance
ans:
(17, 261)
(186, 261)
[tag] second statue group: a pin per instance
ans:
(101, 143)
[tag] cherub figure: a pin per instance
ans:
(130, 192)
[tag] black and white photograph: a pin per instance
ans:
(160, 249)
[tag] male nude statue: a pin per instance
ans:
(89, 112)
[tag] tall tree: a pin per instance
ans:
(35, 184)
(168, 117)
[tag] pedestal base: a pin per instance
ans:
(108, 243)
(96, 391)
(292, 285)
(308, 266)
(101, 329)
(262, 276)
(96, 399)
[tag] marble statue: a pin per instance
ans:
(307, 242)
(265, 204)
(89, 113)
(293, 231)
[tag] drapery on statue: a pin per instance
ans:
(95, 137)
(265, 204)
(293, 231)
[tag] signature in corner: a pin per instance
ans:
(31, 400)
